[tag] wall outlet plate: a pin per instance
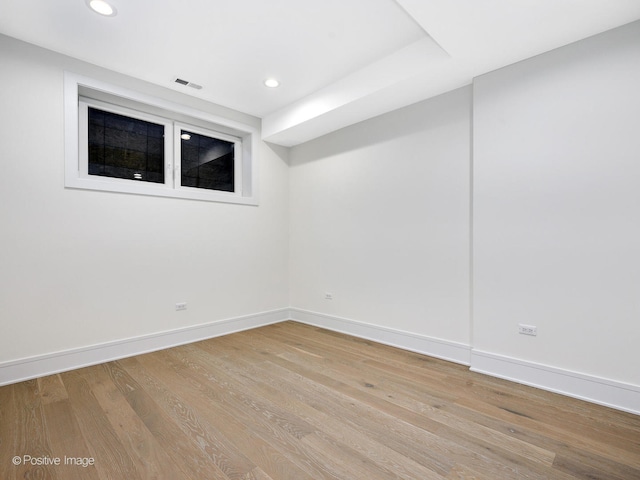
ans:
(181, 306)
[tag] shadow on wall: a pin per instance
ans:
(281, 152)
(428, 115)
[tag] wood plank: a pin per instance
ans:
(258, 474)
(344, 461)
(554, 436)
(112, 460)
(180, 449)
(31, 434)
(150, 372)
(9, 429)
(52, 389)
(67, 441)
(462, 472)
(591, 466)
(579, 426)
(150, 459)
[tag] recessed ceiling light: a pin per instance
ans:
(271, 82)
(102, 7)
(185, 136)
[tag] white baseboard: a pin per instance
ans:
(434, 347)
(618, 395)
(42, 365)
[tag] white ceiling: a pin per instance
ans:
(338, 61)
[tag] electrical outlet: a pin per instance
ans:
(328, 296)
(528, 330)
(181, 306)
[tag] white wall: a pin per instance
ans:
(557, 208)
(380, 219)
(80, 268)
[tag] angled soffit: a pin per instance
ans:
(464, 39)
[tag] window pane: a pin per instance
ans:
(125, 147)
(206, 162)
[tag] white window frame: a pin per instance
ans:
(128, 101)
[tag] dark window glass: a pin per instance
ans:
(125, 147)
(207, 162)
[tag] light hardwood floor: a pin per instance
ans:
(290, 401)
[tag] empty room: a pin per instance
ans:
(356, 239)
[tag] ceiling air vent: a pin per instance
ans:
(187, 83)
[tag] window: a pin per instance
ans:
(208, 159)
(118, 140)
(120, 143)
(124, 147)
